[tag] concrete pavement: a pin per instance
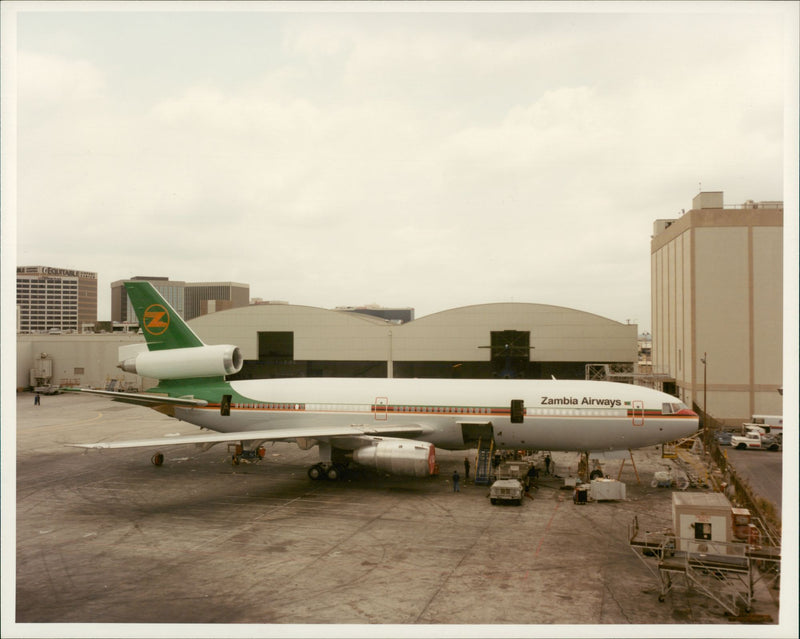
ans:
(105, 537)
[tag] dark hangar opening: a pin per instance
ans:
(510, 354)
(275, 345)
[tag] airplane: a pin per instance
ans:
(391, 425)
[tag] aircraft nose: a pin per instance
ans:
(687, 412)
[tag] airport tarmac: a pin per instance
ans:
(106, 537)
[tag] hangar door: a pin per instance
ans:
(275, 346)
(510, 353)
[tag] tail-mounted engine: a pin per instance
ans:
(180, 363)
(398, 457)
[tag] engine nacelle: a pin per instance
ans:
(180, 363)
(398, 457)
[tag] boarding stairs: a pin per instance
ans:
(483, 464)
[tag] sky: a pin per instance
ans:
(406, 155)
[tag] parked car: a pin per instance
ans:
(724, 438)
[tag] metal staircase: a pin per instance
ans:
(483, 464)
(727, 574)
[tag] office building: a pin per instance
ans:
(190, 299)
(55, 299)
(717, 301)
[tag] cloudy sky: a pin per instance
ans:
(394, 154)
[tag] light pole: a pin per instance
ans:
(705, 397)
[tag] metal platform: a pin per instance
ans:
(727, 576)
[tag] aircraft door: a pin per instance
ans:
(225, 406)
(638, 412)
(517, 411)
(381, 409)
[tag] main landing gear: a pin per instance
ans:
(334, 472)
(583, 468)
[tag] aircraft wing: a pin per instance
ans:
(141, 399)
(283, 434)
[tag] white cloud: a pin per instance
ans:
(398, 159)
(56, 81)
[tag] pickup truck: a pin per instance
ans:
(753, 440)
(507, 490)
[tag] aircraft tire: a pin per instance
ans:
(315, 472)
(157, 459)
(596, 474)
(334, 473)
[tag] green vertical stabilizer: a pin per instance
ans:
(163, 328)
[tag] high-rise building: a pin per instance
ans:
(190, 299)
(717, 302)
(55, 299)
(209, 297)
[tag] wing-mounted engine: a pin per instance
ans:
(181, 363)
(398, 456)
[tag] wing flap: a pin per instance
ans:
(283, 434)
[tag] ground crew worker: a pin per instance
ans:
(466, 469)
(455, 481)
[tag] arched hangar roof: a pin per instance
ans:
(319, 334)
(557, 333)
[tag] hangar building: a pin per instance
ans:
(283, 340)
(482, 341)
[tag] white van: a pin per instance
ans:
(769, 424)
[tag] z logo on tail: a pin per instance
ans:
(156, 319)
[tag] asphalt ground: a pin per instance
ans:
(109, 542)
(763, 470)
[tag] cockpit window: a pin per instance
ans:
(672, 408)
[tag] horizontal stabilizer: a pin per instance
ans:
(141, 399)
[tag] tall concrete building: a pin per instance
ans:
(190, 299)
(55, 299)
(717, 303)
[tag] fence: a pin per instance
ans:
(738, 489)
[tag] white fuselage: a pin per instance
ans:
(557, 415)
